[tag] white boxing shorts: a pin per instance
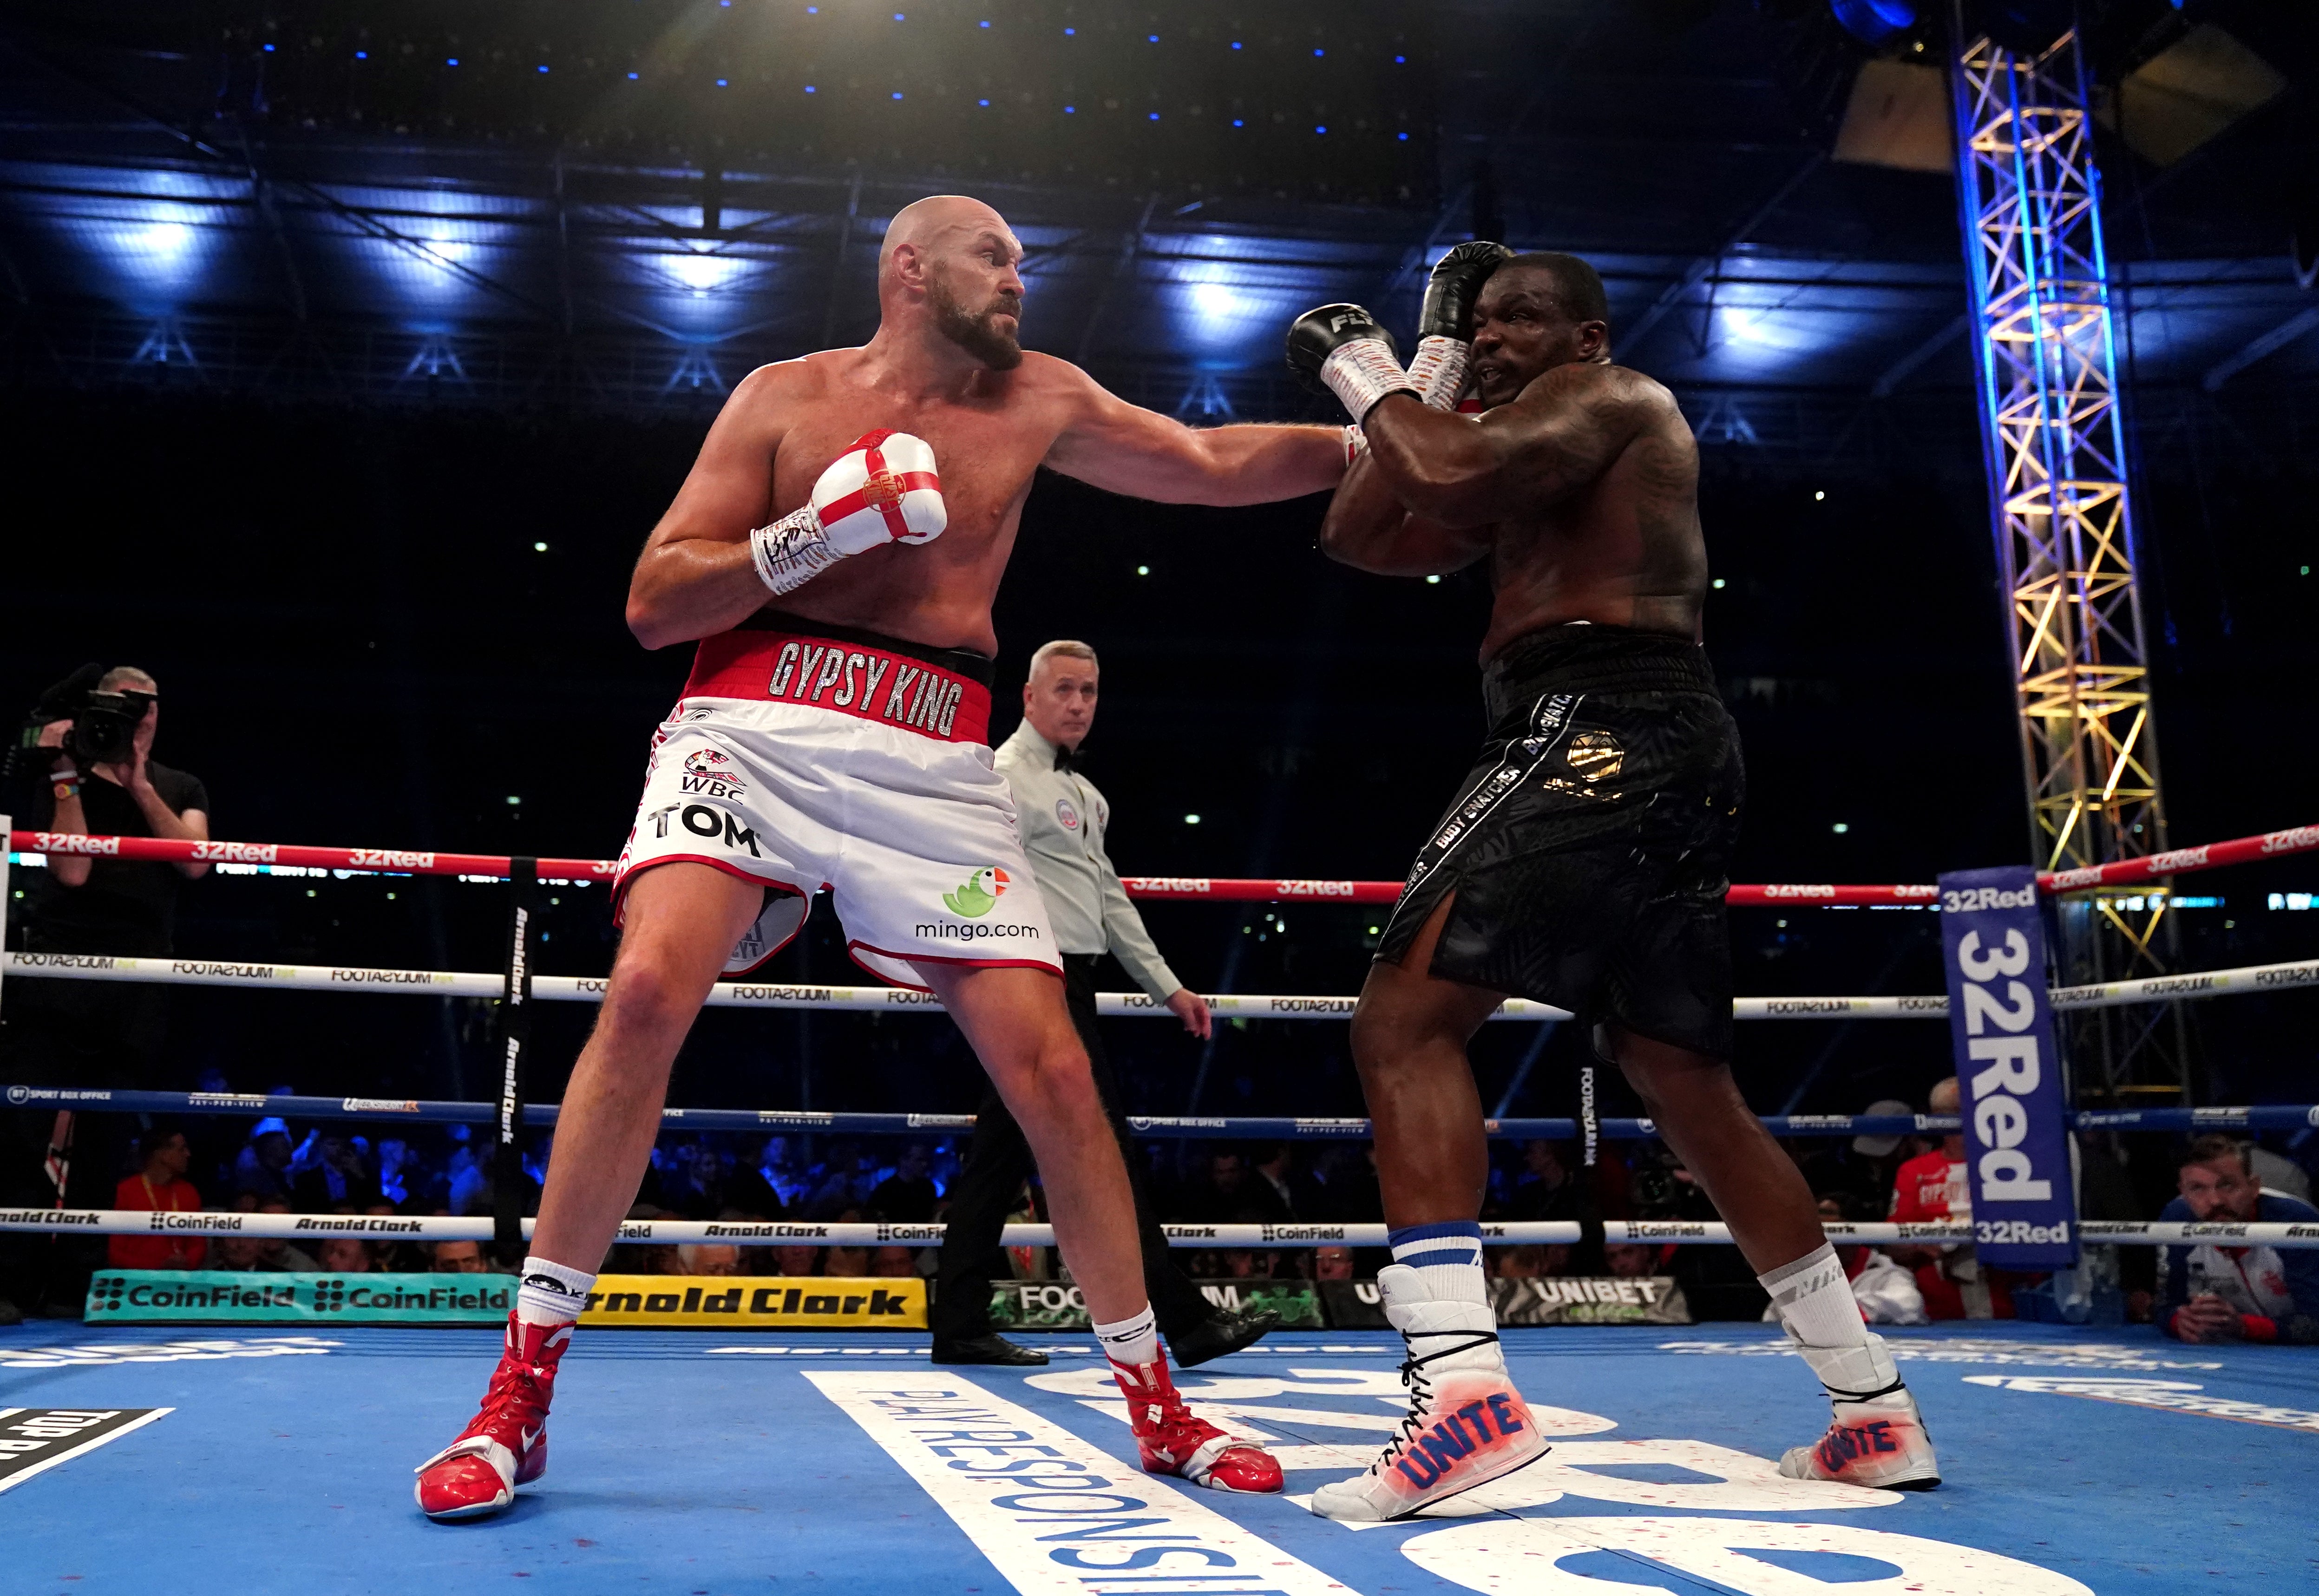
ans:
(805, 756)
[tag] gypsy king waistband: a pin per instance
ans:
(940, 693)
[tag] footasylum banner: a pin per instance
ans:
(2013, 1098)
(642, 1302)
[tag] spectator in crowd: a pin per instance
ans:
(160, 1186)
(1930, 1188)
(848, 1262)
(1333, 1263)
(1276, 1167)
(343, 1255)
(331, 1170)
(459, 1257)
(796, 1260)
(894, 1263)
(2211, 1292)
(1546, 1190)
(262, 1169)
(1532, 1262)
(279, 1254)
(844, 1183)
(907, 1196)
(2279, 1173)
(706, 1257)
(1863, 1169)
(1630, 1260)
(1231, 1193)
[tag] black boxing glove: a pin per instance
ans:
(1344, 349)
(1445, 326)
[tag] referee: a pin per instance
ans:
(1063, 818)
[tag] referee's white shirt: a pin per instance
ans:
(1063, 818)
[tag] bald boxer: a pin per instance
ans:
(1582, 861)
(835, 553)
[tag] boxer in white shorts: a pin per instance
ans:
(806, 756)
(875, 493)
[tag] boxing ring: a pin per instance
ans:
(2076, 1459)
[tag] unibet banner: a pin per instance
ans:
(209, 1296)
(2008, 1071)
(756, 1302)
(1604, 1299)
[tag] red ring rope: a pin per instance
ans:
(2301, 838)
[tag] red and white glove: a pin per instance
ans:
(882, 489)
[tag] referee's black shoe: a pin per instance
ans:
(987, 1349)
(1231, 1330)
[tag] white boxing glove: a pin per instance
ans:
(882, 489)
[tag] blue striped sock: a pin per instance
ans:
(1447, 1256)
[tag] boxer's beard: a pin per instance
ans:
(975, 334)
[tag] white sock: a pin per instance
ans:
(1447, 1258)
(1130, 1340)
(1815, 1300)
(551, 1292)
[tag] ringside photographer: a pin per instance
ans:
(83, 765)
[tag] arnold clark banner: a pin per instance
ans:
(2016, 1114)
(638, 1301)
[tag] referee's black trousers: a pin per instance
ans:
(998, 1162)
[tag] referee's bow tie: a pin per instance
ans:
(1064, 760)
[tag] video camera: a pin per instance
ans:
(103, 724)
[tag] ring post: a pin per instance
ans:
(7, 844)
(2015, 1112)
(515, 1039)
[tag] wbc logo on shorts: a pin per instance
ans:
(711, 773)
(979, 894)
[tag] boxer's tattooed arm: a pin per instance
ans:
(1368, 529)
(1565, 431)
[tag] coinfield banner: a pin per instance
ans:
(2008, 1071)
(208, 1296)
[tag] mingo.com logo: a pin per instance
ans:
(329, 1296)
(105, 1291)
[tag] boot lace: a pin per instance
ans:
(1420, 1387)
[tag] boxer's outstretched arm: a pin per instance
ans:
(1561, 434)
(1368, 529)
(1123, 448)
(695, 577)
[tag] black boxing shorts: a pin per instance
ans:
(1586, 850)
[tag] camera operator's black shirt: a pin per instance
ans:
(127, 906)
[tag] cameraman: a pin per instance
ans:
(88, 752)
(113, 905)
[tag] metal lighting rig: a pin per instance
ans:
(2061, 512)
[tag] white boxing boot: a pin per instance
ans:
(1467, 1424)
(1878, 1439)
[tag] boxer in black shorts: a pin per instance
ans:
(1582, 863)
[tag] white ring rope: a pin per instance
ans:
(309, 1227)
(439, 983)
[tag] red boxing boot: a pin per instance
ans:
(1174, 1441)
(505, 1445)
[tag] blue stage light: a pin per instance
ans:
(1069, 32)
(542, 66)
(808, 88)
(1067, 110)
(1155, 116)
(454, 60)
(1875, 22)
(1321, 128)
(1400, 61)
(1238, 123)
(982, 24)
(632, 76)
(898, 93)
(1235, 45)
(1402, 137)
(722, 84)
(362, 55)
(1320, 52)
(1151, 38)
(982, 101)
(269, 49)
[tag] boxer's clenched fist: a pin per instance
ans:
(1445, 326)
(882, 489)
(1344, 348)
